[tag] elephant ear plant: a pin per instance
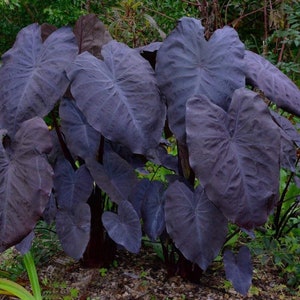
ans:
(110, 109)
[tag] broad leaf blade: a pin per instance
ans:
(187, 65)
(124, 228)
(241, 150)
(153, 213)
(288, 128)
(124, 105)
(275, 85)
(197, 227)
(71, 187)
(26, 181)
(239, 269)
(289, 138)
(73, 229)
(82, 139)
(138, 195)
(91, 34)
(116, 177)
(32, 77)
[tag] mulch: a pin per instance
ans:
(144, 276)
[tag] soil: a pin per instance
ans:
(144, 276)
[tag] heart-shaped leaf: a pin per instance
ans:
(38, 72)
(71, 187)
(25, 180)
(153, 213)
(73, 229)
(187, 65)
(197, 227)
(125, 105)
(241, 150)
(82, 139)
(124, 228)
(275, 85)
(238, 269)
(116, 177)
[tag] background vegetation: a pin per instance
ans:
(267, 27)
(270, 28)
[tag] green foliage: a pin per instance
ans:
(141, 22)
(16, 15)
(15, 289)
(103, 272)
(46, 243)
(44, 246)
(73, 295)
(283, 253)
(284, 39)
(129, 23)
(277, 243)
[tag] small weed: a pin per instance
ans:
(114, 263)
(143, 274)
(103, 272)
(73, 294)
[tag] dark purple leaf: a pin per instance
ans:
(91, 34)
(73, 229)
(116, 177)
(103, 180)
(124, 228)
(138, 195)
(135, 160)
(287, 127)
(46, 30)
(56, 152)
(32, 77)
(152, 47)
(153, 212)
(238, 269)
(82, 139)
(24, 246)
(197, 227)
(149, 52)
(274, 84)
(124, 103)
(161, 157)
(25, 181)
(289, 136)
(50, 211)
(71, 187)
(236, 155)
(187, 65)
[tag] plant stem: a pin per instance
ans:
(62, 143)
(284, 220)
(281, 200)
(32, 274)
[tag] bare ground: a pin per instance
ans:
(143, 276)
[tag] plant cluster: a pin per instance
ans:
(111, 111)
